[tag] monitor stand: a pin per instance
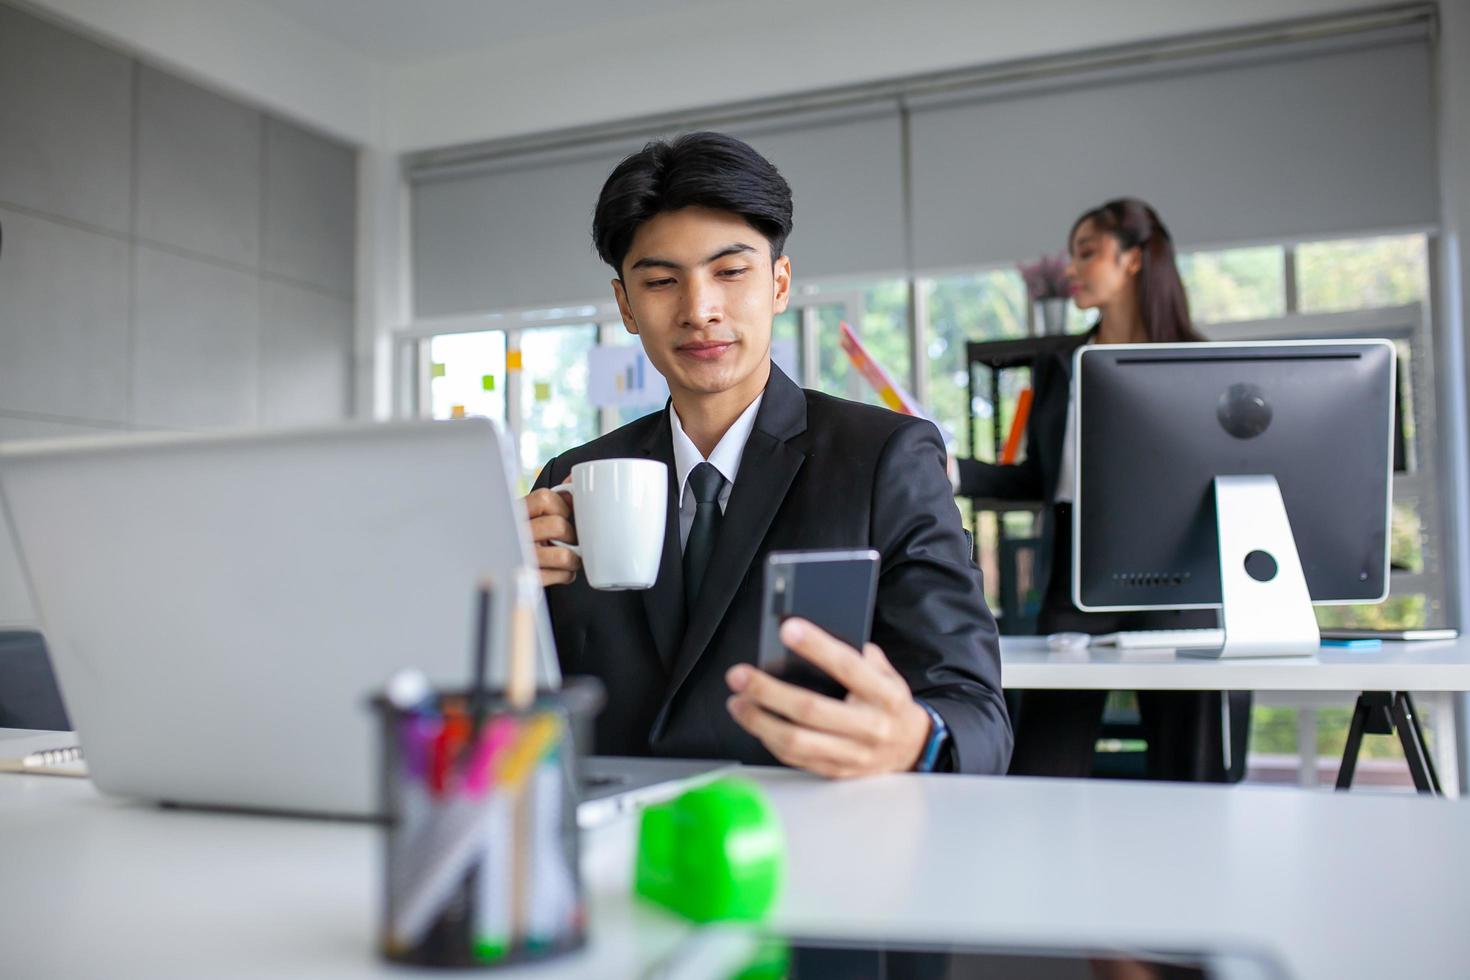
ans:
(1267, 610)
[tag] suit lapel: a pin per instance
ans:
(664, 603)
(767, 469)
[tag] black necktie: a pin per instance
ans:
(704, 482)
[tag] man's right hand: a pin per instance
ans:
(551, 520)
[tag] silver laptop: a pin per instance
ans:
(221, 608)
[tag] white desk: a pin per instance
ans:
(1334, 885)
(1433, 671)
(1026, 662)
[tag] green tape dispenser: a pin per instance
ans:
(714, 853)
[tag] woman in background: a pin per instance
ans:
(1122, 265)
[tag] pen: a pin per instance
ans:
(478, 694)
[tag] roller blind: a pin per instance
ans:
(1301, 139)
(510, 236)
(1311, 140)
(518, 233)
(846, 178)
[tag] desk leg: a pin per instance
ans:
(1380, 713)
(1416, 750)
(1363, 713)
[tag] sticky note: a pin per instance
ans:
(487, 382)
(513, 360)
(436, 370)
(456, 411)
(543, 391)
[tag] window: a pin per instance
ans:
(467, 375)
(1235, 284)
(989, 305)
(884, 331)
(1274, 747)
(1362, 273)
(554, 411)
(877, 311)
(786, 335)
(832, 365)
(973, 306)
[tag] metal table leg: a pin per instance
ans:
(1381, 713)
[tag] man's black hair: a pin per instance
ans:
(708, 170)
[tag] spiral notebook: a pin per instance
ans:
(41, 753)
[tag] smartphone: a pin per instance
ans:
(834, 590)
(1400, 634)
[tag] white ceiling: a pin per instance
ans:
(400, 32)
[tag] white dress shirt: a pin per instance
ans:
(725, 458)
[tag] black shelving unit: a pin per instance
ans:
(998, 356)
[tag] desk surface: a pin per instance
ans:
(1333, 885)
(1027, 663)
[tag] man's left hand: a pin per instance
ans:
(877, 728)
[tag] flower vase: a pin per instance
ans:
(1051, 315)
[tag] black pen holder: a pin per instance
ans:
(481, 843)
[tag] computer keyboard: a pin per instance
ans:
(1161, 639)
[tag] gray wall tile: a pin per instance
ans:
(220, 190)
(65, 123)
(310, 208)
(63, 321)
(196, 343)
(198, 170)
(306, 355)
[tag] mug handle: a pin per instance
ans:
(565, 488)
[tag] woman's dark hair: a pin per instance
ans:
(1161, 299)
(708, 170)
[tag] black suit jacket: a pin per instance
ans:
(818, 472)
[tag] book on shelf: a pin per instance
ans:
(1012, 447)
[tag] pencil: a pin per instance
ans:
(520, 688)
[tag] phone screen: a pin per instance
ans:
(834, 590)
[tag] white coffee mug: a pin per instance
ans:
(619, 508)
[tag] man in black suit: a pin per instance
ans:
(695, 230)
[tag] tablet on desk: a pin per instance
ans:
(860, 961)
(720, 948)
(1407, 635)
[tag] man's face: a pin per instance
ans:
(699, 289)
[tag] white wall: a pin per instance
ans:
(711, 55)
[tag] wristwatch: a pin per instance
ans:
(937, 744)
